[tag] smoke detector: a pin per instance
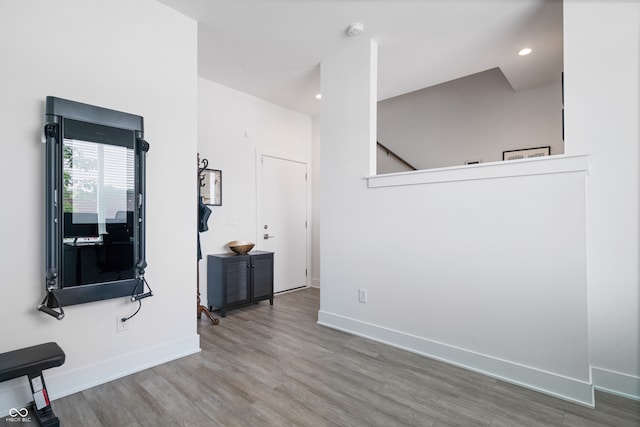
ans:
(355, 29)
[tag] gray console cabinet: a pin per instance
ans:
(238, 280)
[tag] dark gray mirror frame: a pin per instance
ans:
(59, 295)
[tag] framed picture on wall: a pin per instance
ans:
(211, 187)
(526, 153)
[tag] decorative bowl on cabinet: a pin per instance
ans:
(240, 246)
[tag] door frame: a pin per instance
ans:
(258, 175)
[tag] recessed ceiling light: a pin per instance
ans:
(525, 51)
(318, 96)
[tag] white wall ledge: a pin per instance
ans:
(504, 169)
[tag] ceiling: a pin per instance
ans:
(272, 49)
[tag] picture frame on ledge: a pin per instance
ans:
(211, 187)
(526, 153)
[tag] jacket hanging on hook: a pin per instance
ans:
(203, 217)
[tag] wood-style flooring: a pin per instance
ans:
(274, 366)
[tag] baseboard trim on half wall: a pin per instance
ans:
(570, 389)
(616, 383)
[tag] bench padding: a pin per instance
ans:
(30, 360)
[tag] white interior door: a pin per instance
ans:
(284, 220)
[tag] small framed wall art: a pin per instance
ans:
(526, 153)
(211, 187)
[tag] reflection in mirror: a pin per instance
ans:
(98, 194)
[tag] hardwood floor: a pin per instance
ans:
(274, 366)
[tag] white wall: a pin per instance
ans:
(472, 118)
(483, 266)
(119, 55)
(602, 101)
(234, 130)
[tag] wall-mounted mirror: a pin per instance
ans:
(95, 204)
(211, 187)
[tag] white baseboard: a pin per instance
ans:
(616, 383)
(570, 389)
(315, 283)
(16, 393)
(288, 291)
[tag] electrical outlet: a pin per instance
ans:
(362, 295)
(120, 325)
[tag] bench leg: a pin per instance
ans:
(41, 405)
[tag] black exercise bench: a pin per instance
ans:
(31, 361)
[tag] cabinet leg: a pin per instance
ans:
(223, 312)
(271, 301)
